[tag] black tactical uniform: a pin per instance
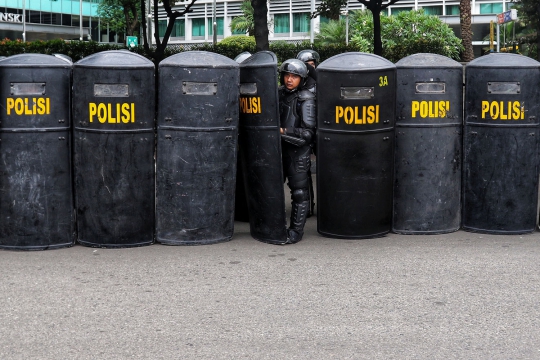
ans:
(298, 118)
(309, 56)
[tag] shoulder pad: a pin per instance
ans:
(305, 95)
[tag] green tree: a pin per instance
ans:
(466, 29)
(330, 9)
(529, 17)
(161, 40)
(330, 33)
(244, 22)
(120, 15)
(407, 33)
(376, 7)
(260, 13)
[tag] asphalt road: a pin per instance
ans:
(455, 296)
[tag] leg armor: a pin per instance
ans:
(299, 185)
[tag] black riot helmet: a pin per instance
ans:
(293, 66)
(309, 55)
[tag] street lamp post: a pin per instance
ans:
(80, 21)
(214, 23)
(312, 23)
(149, 23)
(23, 21)
(346, 13)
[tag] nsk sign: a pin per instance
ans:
(10, 17)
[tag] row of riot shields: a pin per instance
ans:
(440, 161)
(78, 146)
(84, 156)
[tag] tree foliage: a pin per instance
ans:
(330, 9)
(404, 34)
(161, 40)
(529, 18)
(244, 22)
(120, 15)
(376, 7)
(332, 32)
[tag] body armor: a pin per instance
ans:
(297, 116)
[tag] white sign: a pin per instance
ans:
(10, 17)
(507, 16)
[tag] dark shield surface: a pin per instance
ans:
(113, 115)
(355, 139)
(36, 201)
(261, 147)
(196, 152)
(500, 169)
(429, 118)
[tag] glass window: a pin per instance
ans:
(324, 19)
(452, 9)
(281, 23)
(66, 20)
(162, 27)
(301, 22)
(492, 8)
(33, 17)
(197, 27)
(396, 11)
(219, 21)
(433, 10)
(179, 29)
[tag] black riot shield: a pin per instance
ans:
(36, 201)
(500, 169)
(113, 115)
(427, 181)
(355, 145)
(261, 147)
(196, 151)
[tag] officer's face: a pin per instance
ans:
(312, 63)
(291, 81)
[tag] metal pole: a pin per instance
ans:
(80, 20)
(23, 21)
(149, 24)
(214, 23)
(498, 47)
(347, 24)
(312, 23)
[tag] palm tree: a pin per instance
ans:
(466, 30)
(331, 33)
(244, 22)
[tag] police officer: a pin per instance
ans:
(312, 59)
(298, 121)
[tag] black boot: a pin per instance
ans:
(298, 220)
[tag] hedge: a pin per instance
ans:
(230, 48)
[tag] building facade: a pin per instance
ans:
(289, 19)
(52, 19)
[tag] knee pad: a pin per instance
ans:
(299, 195)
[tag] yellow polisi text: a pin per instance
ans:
(112, 113)
(430, 109)
(250, 105)
(503, 110)
(28, 106)
(358, 116)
